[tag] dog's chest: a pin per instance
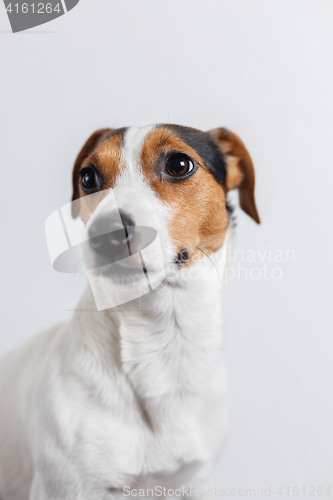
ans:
(126, 449)
(159, 414)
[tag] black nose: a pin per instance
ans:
(109, 237)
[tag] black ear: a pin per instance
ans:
(240, 170)
(88, 148)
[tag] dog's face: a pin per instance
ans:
(170, 178)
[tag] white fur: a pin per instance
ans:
(130, 396)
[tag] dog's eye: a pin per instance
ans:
(89, 179)
(179, 165)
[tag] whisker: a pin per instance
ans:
(164, 139)
(212, 263)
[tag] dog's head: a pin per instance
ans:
(170, 178)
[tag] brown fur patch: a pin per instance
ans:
(240, 170)
(103, 150)
(199, 214)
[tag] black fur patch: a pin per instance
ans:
(206, 148)
(181, 258)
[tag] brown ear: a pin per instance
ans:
(88, 148)
(240, 171)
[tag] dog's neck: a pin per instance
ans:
(168, 343)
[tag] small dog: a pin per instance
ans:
(132, 397)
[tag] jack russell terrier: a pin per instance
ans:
(132, 397)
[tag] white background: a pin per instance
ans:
(262, 68)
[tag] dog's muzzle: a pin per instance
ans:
(113, 239)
